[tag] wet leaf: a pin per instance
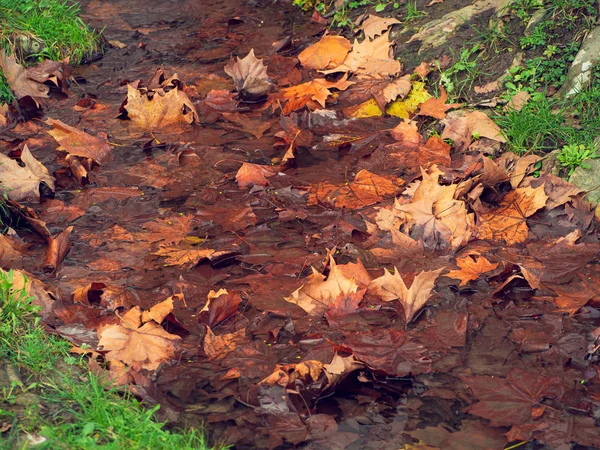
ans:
(391, 287)
(253, 174)
(317, 90)
(143, 347)
(508, 222)
(78, 143)
(511, 400)
(471, 268)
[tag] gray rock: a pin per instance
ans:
(588, 179)
(580, 73)
(550, 163)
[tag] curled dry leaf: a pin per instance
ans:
(328, 53)
(253, 174)
(58, 247)
(23, 183)
(79, 143)
(250, 76)
(471, 268)
(19, 80)
(391, 287)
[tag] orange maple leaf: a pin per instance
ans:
(317, 90)
(366, 189)
(253, 174)
(79, 143)
(508, 222)
(471, 268)
(329, 52)
(437, 107)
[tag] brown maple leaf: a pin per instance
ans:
(513, 400)
(317, 90)
(140, 346)
(79, 143)
(23, 182)
(19, 80)
(508, 222)
(391, 287)
(159, 311)
(471, 268)
(437, 107)
(462, 126)
(219, 306)
(370, 58)
(249, 76)
(328, 53)
(218, 346)
(185, 256)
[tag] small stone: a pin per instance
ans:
(588, 179)
(27, 399)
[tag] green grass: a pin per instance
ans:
(79, 411)
(35, 30)
(6, 96)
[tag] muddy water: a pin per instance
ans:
(159, 187)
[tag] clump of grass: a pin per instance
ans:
(85, 413)
(6, 95)
(35, 30)
(573, 156)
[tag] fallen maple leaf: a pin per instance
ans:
(371, 58)
(317, 90)
(79, 143)
(375, 25)
(143, 347)
(293, 135)
(366, 189)
(328, 53)
(462, 126)
(437, 107)
(182, 256)
(511, 401)
(218, 346)
(23, 183)
(391, 287)
(319, 292)
(255, 127)
(253, 174)
(250, 76)
(160, 110)
(508, 222)
(471, 269)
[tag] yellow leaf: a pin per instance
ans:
(367, 109)
(407, 107)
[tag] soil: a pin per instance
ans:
(177, 173)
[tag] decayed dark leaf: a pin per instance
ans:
(511, 400)
(219, 306)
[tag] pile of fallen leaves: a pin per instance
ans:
(365, 271)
